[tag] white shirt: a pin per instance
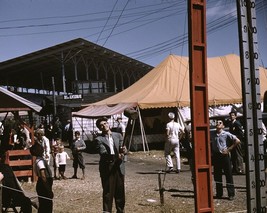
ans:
(1, 128)
(122, 127)
(111, 144)
(61, 158)
(45, 143)
(174, 129)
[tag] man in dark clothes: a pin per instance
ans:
(11, 189)
(111, 166)
(236, 129)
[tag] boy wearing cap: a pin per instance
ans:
(111, 166)
(173, 130)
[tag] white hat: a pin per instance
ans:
(171, 115)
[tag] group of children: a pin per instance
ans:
(60, 157)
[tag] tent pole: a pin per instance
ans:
(145, 144)
(131, 137)
(141, 129)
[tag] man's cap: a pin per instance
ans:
(171, 115)
(99, 120)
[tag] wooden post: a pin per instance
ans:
(161, 189)
(1, 188)
(199, 105)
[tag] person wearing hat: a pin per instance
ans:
(111, 166)
(120, 126)
(236, 129)
(173, 131)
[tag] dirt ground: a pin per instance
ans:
(142, 188)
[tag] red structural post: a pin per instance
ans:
(199, 105)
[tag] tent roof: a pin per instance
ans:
(167, 85)
(12, 102)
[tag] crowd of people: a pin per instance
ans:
(48, 147)
(43, 142)
(226, 149)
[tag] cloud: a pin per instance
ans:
(220, 9)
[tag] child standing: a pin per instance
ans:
(55, 149)
(77, 147)
(61, 161)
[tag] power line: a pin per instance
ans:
(107, 21)
(116, 23)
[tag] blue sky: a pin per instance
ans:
(147, 30)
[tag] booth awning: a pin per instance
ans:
(9, 102)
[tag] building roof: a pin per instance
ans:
(35, 70)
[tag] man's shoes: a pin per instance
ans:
(169, 170)
(231, 197)
(240, 172)
(178, 171)
(74, 177)
(82, 178)
(218, 197)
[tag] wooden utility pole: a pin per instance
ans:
(199, 105)
(54, 97)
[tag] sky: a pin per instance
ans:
(146, 30)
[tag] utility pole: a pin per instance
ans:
(63, 73)
(54, 97)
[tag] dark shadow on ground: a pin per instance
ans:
(180, 193)
(178, 190)
(147, 173)
(91, 163)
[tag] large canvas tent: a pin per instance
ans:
(167, 85)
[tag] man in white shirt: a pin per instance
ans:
(45, 143)
(173, 130)
(121, 128)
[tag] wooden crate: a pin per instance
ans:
(22, 163)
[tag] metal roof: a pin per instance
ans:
(35, 70)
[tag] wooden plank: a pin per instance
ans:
(18, 152)
(23, 173)
(20, 163)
